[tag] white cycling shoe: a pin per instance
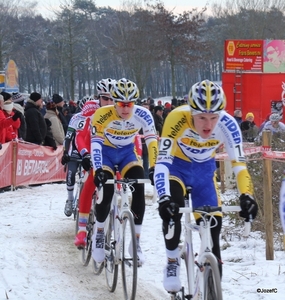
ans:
(140, 255)
(171, 281)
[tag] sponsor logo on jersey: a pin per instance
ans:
(176, 128)
(111, 131)
(196, 144)
(232, 127)
(159, 183)
(105, 117)
(144, 115)
(97, 158)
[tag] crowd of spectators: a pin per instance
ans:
(32, 120)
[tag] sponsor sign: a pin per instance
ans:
(246, 55)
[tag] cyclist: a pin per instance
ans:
(82, 141)
(112, 143)
(83, 145)
(191, 134)
(71, 156)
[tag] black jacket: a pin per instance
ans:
(36, 125)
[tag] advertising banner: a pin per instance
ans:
(2, 81)
(6, 162)
(38, 164)
(246, 55)
(274, 56)
(11, 77)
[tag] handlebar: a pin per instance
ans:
(224, 208)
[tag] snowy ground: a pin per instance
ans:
(39, 261)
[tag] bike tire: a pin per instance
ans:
(111, 266)
(212, 279)
(129, 263)
(87, 250)
(76, 207)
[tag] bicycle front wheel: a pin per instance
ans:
(111, 267)
(129, 257)
(212, 279)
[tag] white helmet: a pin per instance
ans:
(275, 117)
(124, 90)
(206, 97)
(103, 86)
(84, 100)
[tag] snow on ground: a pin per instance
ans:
(39, 261)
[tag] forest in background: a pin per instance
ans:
(163, 52)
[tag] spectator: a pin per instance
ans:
(67, 114)
(58, 100)
(248, 128)
(158, 119)
(36, 125)
(18, 100)
(167, 110)
(238, 116)
(72, 107)
(56, 125)
(49, 139)
(12, 130)
(5, 122)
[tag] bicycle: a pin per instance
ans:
(202, 270)
(119, 234)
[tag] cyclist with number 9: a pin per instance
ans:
(112, 143)
(190, 137)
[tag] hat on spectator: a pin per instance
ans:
(56, 98)
(167, 105)
(17, 97)
(8, 105)
(35, 96)
(51, 106)
(248, 115)
(6, 96)
(157, 108)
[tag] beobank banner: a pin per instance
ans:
(246, 55)
(6, 164)
(38, 164)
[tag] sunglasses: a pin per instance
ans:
(106, 98)
(125, 104)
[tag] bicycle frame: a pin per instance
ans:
(121, 188)
(195, 279)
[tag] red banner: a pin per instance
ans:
(6, 163)
(246, 55)
(38, 164)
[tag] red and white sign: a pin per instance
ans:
(6, 164)
(246, 55)
(38, 164)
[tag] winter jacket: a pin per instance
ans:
(4, 123)
(22, 131)
(56, 126)
(12, 130)
(36, 125)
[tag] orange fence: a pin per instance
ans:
(24, 163)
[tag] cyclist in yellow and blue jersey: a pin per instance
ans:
(112, 143)
(190, 137)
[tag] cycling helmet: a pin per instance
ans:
(206, 97)
(275, 117)
(124, 90)
(103, 86)
(89, 108)
(84, 100)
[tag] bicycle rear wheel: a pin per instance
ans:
(129, 263)
(111, 267)
(87, 250)
(212, 279)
